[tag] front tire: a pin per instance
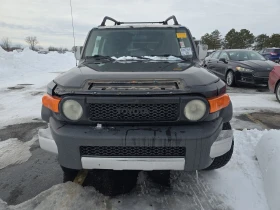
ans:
(221, 161)
(112, 183)
(230, 79)
(160, 177)
(277, 92)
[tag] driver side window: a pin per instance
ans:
(224, 55)
(215, 55)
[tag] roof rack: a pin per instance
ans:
(120, 23)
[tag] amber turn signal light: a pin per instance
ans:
(51, 102)
(218, 103)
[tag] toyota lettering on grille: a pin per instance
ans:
(133, 111)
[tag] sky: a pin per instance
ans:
(50, 20)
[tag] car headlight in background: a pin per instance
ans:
(72, 109)
(195, 110)
(241, 69)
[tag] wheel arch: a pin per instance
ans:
(229, 69)
(276, 84)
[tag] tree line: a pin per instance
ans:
(242, 39)
(233, 40)
(32, 42)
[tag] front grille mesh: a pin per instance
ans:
(131, 151)
(262, 74)
(134, 112)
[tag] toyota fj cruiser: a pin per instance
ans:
(138, 100)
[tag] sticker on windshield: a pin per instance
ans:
(186, 51)
(181, 35)
(182, 45)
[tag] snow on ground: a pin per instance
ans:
(240, 182)
(250, 102)
(13, 151)
(237, 186)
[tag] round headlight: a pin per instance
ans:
(72, 110)
(195, 110)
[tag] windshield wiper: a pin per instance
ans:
(177, 56)
(100, 57)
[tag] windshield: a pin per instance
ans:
(245, 55)
(139, 42)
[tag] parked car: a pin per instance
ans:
(43, 51)
(274, 81)
(138, 101)
(209, 55)
(209, 52)
(272, 54)
(240, 66)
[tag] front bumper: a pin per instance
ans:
(202, 142)
(252, 79)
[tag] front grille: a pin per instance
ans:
(134, 112)
(131, 151)
(262, 74)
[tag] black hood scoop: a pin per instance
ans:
(136, 85)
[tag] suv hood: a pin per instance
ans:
(191, 74)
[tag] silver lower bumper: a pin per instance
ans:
(146, 164)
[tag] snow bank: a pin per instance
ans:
(13, 151)
(268, 154)
(23, 79)
(30, 67)
(2, 51)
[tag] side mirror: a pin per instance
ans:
(78, 52)
(223, 60)
(202, 51)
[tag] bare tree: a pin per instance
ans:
(6, 43)
(32, 41)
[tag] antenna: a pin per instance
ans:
(73, 29)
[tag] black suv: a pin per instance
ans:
(138, 100)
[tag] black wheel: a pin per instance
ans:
(221, 161)
(230, 78)
(160, 177)
(277, 92)
(112, 183)
(69, 174)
